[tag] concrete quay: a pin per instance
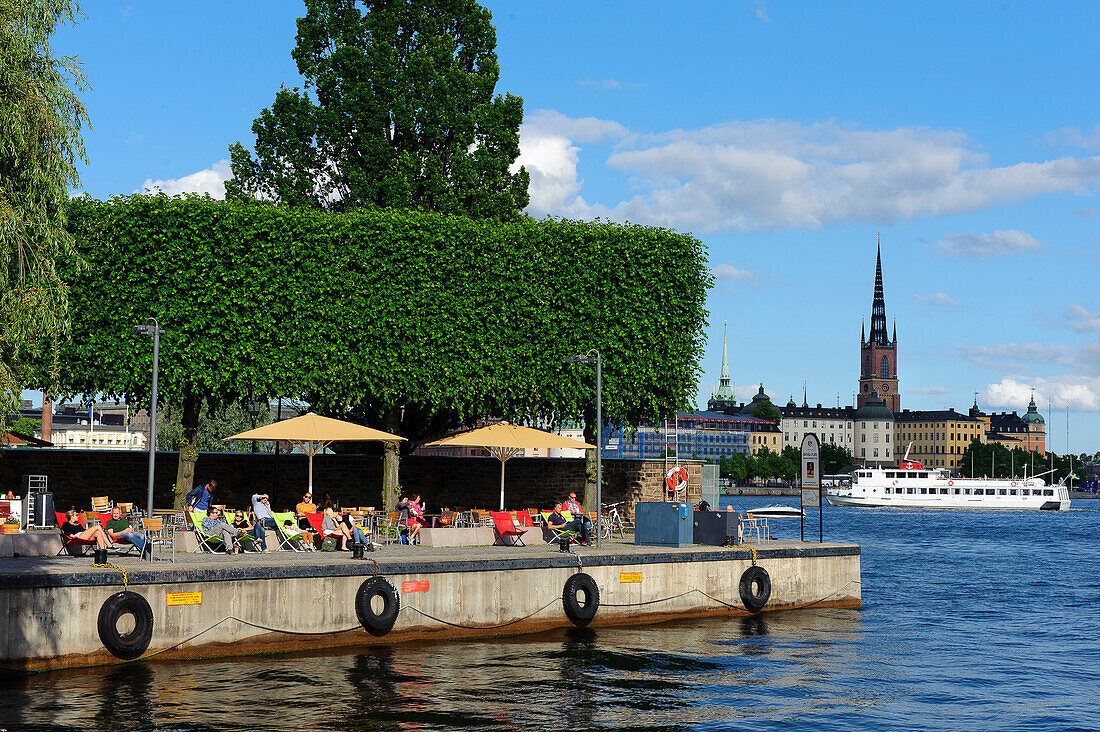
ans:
(206, 606)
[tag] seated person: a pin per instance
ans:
(306, 506)
(294, 534)
(573, 506)
(557, 522)
(331, 526)
(408, 520)
(261, 509)
(72, 527)
(119, 528)
(703, 506)
(214, 525)
(241, 523)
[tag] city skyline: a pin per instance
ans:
(784, 136)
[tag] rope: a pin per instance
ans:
(482, 627)
(743, 546)
(125, 580)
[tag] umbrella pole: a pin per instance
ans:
(502, 483)
(310, 451)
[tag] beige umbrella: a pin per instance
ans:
(504, 441)
(313, 433)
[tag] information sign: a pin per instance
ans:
(184, 598)
(629, 577)
(416, 586)
(811, 481)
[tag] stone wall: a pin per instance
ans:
(74, 476)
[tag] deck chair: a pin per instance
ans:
(505, 525)
(557, 535)
(75, 546)
(292, 539)
(208, 543)
(123, 546)
(523, 518)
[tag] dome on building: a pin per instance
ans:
(757, 399)
(790, 403)
(1033, 416)
(874, 409)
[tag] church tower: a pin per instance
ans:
(878, 355)
(722, 398)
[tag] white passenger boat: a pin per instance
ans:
(775, 512)
(911, 485)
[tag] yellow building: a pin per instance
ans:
(938, 438)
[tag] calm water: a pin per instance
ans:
(971, 621)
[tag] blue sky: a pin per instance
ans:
(784, 135)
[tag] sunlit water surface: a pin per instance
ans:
(971, 621)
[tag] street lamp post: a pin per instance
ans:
(593, 356)
(152, 327)
(255, 407)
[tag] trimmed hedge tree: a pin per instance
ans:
(399, 315)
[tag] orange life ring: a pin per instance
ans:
(950, 482)
(676, 480)
(1013, 484)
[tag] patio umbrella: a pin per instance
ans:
(313, 433)
(504, 441)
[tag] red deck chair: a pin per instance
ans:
(124, 546)
(506, 526)
(72, 544)
(315, 520)
(524, 518)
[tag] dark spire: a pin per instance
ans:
(878, 306)
(895, 337)
(862, 330)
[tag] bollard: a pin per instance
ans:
(357, 551)
(100, 556)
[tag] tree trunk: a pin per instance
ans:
(589, 460)
(391, 462)
(189, 456)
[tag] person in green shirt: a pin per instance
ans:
(119, 528)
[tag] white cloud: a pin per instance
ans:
(931, 390)
(1016, 356)
(1079, 393)
(982, 246)
(938, 298)
(610, 84)
(1086, 213)
(726, 272)
(212, 181)
(773, 174)
(761, 11)
(1081, 320)
(1074, 137)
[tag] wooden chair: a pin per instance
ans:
(158, 533)
(126, 508)
(101, 504)
(92, 517)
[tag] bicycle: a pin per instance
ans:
(612, 521)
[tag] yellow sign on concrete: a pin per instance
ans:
(184, 598)
(629, 577)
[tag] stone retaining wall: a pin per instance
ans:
(74, 476)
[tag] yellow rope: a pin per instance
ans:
(744, 546)
(115, 566)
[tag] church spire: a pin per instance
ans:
(723, 395)
(878, 305)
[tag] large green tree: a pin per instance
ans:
(40, 121)
(405, 319)
(398, 111)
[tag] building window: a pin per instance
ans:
(863, 437)
(884, 368)
(863, 452)
(876, 452)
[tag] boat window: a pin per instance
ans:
(1025, 492)
(956, 491)
(922, 475)
(1002, 492)
(967, 491)
(1012, 492)
(924, 491)
(890, 474)
(910, 490)
(1048, 492)
(910, 475)
(943, 491)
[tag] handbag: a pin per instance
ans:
(329, 544)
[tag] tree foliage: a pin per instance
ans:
(398, 112)
(215, 424)
(40, 121)
(407, 315)
(835, 459)
(768, 411)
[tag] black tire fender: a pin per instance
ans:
(580, 613)
(134, 643)
(755, 588)
(380, 623)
